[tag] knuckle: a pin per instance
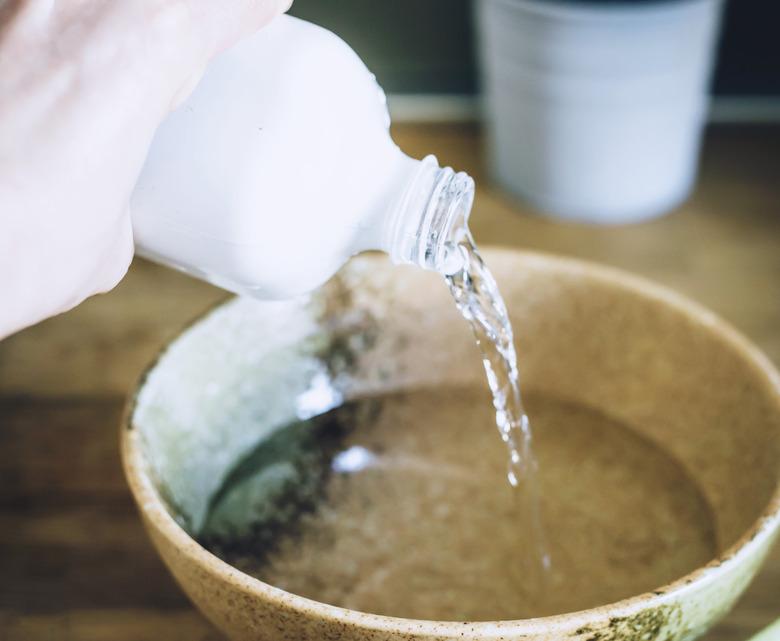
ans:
(117, 261)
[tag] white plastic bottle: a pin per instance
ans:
(280, 167)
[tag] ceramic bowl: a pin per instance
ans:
(670, 369)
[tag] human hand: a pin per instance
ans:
(83, 86)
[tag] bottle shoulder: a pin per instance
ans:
(280, 162)
(289, 124)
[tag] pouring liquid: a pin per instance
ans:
(480, 302)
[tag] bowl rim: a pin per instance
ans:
(153, 508)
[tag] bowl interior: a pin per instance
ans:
(694, 449)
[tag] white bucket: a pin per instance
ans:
(595, 109)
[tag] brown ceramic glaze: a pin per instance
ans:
(645, 356)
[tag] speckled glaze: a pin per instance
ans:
(645, 354)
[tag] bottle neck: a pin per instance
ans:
(431, 218)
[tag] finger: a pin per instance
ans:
(116, 259)
(84, 274)
(187, 87)
(32, 14)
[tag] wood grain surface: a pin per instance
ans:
(75, 564)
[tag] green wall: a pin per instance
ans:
(426, 46)
(413, 46)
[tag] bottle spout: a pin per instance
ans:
(431, 219)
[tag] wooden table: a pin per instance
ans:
(74, 561)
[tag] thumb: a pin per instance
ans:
(219, 25)
(222, 24)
